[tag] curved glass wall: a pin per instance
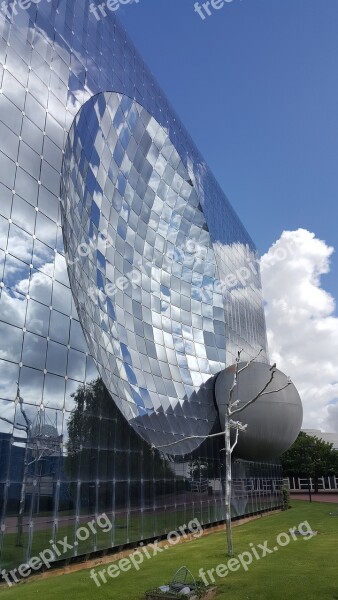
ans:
(141, 258)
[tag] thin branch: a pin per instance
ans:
(235, 442)
(38, 458)
(234, 383)
(237, 373)
(193, 437)
(21, 427)
(23, 412)
(185, 439)
(262, 393)
(250, 361)
(237, 410)
(238, 425)
(7, 421)
(279, 389)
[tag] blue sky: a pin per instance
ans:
(256, 85)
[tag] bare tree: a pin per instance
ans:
(232, 408)
(34, 449)
(25, 428)
(25, 470)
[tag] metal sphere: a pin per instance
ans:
(273, 420)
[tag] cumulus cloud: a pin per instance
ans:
(301, 322)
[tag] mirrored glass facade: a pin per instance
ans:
(127, 282)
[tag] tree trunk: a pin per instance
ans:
(228, 485)
(316, 484)
(22, 501)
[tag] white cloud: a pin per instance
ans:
(301, 322)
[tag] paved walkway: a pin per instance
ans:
(317, 497)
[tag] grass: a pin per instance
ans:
(301, 569)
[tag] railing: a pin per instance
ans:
(300, 484)
(246, 485)
(199, 485)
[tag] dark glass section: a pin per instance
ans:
(95, 463)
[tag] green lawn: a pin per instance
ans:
(301, 569)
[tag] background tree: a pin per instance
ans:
(103, 447)
(310, 457)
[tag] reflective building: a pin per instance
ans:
(127, 284)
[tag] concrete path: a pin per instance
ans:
(317, 497)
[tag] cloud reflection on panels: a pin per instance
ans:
(140, 260)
